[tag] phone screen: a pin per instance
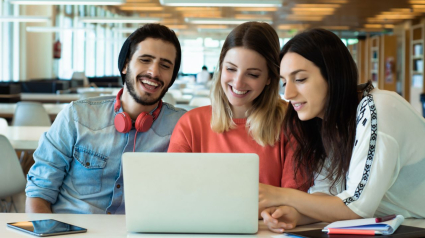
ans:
(48, 227)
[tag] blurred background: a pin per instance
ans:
(81, 39)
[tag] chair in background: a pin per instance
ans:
(3, 123)
(31, 114)
(200, 101)
(177, 93)
(11, 175)
(202, 92)
(168, 97)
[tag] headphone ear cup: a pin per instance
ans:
(122, 122)
(143, 122)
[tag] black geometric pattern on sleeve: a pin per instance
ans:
(371, 151)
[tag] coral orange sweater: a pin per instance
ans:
(193, 134)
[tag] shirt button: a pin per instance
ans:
(118, 186)
(87, 163)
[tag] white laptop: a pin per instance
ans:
(191, 192)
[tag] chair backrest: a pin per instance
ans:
(11, 175)
(31, 114)
(200, 101)
(3, 123)
(176, 93)
(168, 97)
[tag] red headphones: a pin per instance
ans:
(143, 122)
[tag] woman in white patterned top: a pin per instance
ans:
(364, 148)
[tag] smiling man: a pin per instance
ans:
(78, 162)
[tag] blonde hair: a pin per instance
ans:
(265, 117)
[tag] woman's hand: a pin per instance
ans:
(277, 219)
(269, 196)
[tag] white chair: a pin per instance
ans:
(202, 92)
(168, 97)
(177, 93)
(200, 101)
(31, 114)
(11, 176)
(3, 123)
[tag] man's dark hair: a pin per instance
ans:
(155, 31)
(204, 67)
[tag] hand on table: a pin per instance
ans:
(277, 219)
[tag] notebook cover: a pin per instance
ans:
(401, 232)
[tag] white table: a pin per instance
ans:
(7, 110)
(49, 97)
(106, 226)
(114, 226)
(24, 137)
(99, 90)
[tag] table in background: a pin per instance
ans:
(99, 90)
(7, 110)
(24, 137)
(114, 226)
(50, 97)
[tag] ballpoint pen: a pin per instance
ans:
(385, 218)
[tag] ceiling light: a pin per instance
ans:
(55, 29)
(209, 14)
(304, 18)
(229, 21)
(307, 5)
(336, 27)
(24, 19)
(131, 30)
(222, 3)
(212, 27)
(187, 9)
(214, 30)
(252, 17)
(257, 9)
(140, 8)
(119, 20)
(68, 2)
(290, 26)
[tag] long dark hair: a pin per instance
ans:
(333, 137)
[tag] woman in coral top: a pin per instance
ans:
(246, 115)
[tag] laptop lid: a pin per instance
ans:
(191, 192)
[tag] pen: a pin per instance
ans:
(385, 218)
(335, 231)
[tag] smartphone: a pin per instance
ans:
(47, 227)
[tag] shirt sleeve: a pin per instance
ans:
(373, 166)
(52, 158)
(181, 138)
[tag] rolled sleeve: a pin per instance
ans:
(52, 158)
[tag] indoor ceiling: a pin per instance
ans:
(345, 16)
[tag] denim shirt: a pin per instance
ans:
(78, 161)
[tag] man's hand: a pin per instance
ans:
(280, 218)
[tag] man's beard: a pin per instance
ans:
(143, 101)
